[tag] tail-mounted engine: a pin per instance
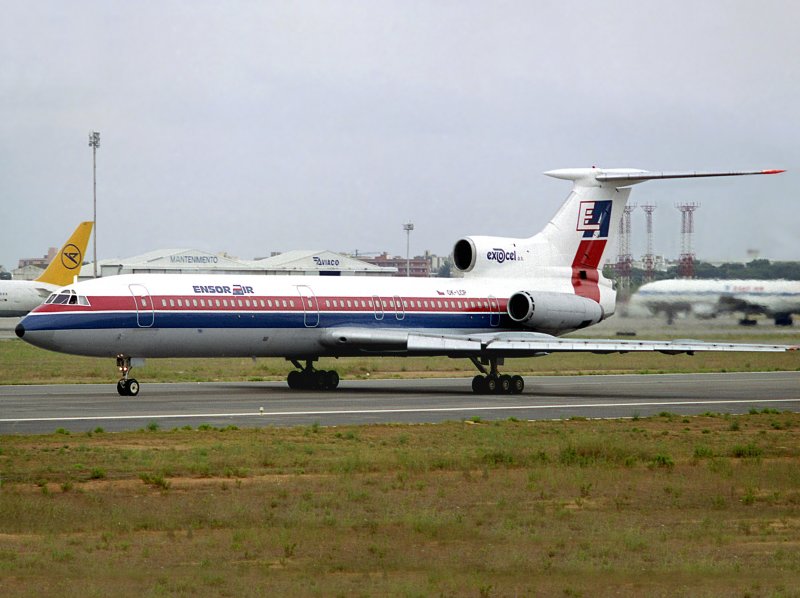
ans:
(484, 254)
(553, 311)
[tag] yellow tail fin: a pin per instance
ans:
(67, 264)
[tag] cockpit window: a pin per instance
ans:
(67, 297)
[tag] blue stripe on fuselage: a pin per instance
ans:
(173, 319)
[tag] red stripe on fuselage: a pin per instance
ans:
(164, 303)
(585, 275)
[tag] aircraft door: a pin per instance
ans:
(310, 306)
(399, 310)
(145, 313)
(376, 302)
(494, 311)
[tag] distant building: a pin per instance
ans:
(419, 266)
(321, 263)
(193, 261)
(27, 272)
(39, 262)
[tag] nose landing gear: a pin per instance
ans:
(492, 382)
(126, 387)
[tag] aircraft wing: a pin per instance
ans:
(517, 344)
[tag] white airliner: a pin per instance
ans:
(778, 299)
(18, 297)
(516, 297)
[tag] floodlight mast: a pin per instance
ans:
(94, 143)
(408, 227)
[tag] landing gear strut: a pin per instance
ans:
(126, 387)
(307, 378)
(492, 382)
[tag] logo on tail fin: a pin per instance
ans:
(71, 257)
(594, 218)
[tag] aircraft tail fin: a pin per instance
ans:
(67, 264)
(585, 229)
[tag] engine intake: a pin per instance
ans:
(464, 255)
(553, 311)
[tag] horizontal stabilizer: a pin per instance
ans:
(631, 176)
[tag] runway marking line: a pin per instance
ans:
(408, 410)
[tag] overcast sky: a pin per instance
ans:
(252, 127)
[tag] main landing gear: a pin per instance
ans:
(492, 382)
(126, 387)
(307, 378)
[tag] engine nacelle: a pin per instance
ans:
(553, 311)
(480, 253)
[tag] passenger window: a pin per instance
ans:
(172, 303)
(180, 303)
(240, 303)
(225, 302)
(202, 302)
(217, 302)
(262, 302)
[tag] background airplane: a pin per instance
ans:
(516, 297)
(18, 297)
(778, 299)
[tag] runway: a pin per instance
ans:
(79, 408)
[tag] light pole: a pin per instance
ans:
(408, 227)
(94, 143)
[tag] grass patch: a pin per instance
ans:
(500, 508)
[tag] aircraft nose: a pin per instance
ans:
(20, 330)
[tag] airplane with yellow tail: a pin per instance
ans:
(18, 297)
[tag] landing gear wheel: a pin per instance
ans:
(492, 382)
(331, 380)
(295, 380)
(122, 388)
(307, 378)
(133, 387)
(318, 380)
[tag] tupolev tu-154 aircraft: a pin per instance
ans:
(516, 297)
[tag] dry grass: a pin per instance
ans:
(699, 506)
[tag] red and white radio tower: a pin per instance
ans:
(649, 259)
(624, 259)
(686, 261)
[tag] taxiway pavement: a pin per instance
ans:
(84, 407)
